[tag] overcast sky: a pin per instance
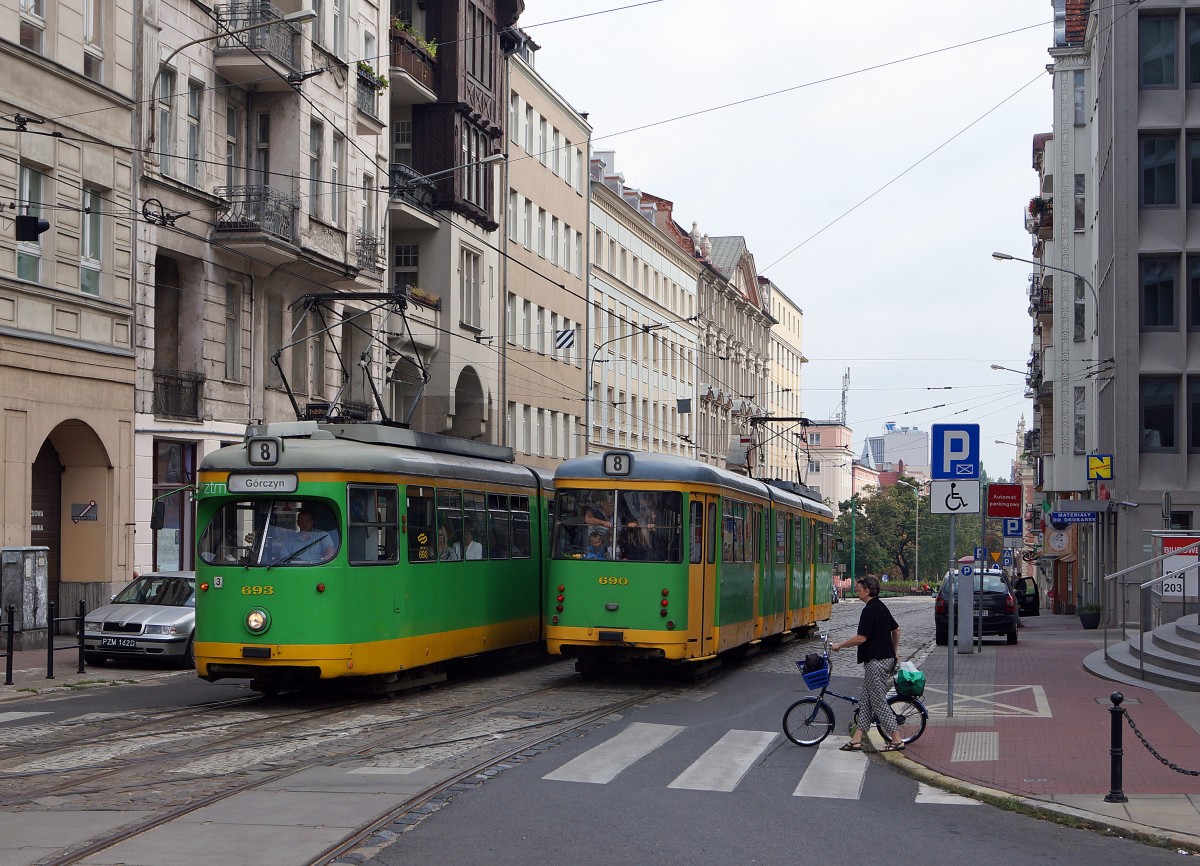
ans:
(873, 197)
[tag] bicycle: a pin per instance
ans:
(810, 720)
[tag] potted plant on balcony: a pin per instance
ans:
(429, 46)
(367, 75)
(425, 297)
(1089, 615)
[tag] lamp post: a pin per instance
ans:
(1005, 257)
(1009, 369)
(917, 533)
(589, 381)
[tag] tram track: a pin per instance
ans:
(500, 715)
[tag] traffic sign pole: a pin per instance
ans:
(951, 613)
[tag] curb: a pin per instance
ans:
(24, 686)
(1059, 814)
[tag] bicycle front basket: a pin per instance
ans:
(814, 679)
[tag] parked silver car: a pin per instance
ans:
(154, 617)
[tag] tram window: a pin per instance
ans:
(474, 524)
(521, 546)
(372, 525)
(574, 516)
(420, 525)
(649, 525)
(798, 542)
(449, 525)
(714, 528)
(229, 537)
(781, 545)
(696, 522)
(499, 526)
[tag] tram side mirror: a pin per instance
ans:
(158, 517)
(839, 545)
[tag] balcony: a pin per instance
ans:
(260, 219)
(177, 394)
(413, 198)
(412, 70)
(1033, 441)
(370, 252)
(263, 57)
(368, 103)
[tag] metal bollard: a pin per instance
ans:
(1115, 794)
(50, 625)
(79, 632)
(8, 645)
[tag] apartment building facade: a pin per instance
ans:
(68, 283)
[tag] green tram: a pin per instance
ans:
(328, 551)
(655, 557)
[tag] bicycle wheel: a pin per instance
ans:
(911, 717)
(808, 721)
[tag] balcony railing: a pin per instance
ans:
(368, 95)
(1033, 441)
(406, 55)
(177, 394)
(258, 209)
(407, 184)
(370, 249)
(279, 38)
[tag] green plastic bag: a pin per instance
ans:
(910, 683)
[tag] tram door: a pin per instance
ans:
(702, 575)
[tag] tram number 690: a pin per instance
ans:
(614, 581)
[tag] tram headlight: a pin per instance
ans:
(258, 621)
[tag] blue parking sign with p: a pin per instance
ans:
(1012, 527)
(955, 451)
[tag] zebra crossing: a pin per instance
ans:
(831, 774)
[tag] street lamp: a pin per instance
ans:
(1005, 257)
(298, 17)
(917, 533)
(1009, 369)
(589, 380)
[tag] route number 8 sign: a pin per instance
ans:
(618, 463)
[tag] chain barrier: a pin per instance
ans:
(1152, 750)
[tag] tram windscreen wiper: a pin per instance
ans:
(294, 553)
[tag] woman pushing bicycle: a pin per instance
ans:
(878, 642)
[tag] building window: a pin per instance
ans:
(514, 207)
(1193, 50)
(554, 240)
(90, 244)
(93, 39)
(274, 341)
(541, 232)
(1193, 413)
(529, 127)
(1158, 170)
(478, 45)
(336, 173)
(316, 137)
(166, 121)
(1158, 294)
(1080, 95)
(339, 29)
(1156, 51)
(514, 111)
(298, 338)
(526, 429)
(541, 331)
(1080, 419)
(510, 320)
(231, 145)
(470, 266)
(1079, 311)
(526, 326)
(1080, 221)
(233, 332)
(402, 136)
(542, 142)
(33, 24)
(1157, 400)
(405, 266)
(1193, 170)
(527, 229)
(1193, 293)
(262, 147)
(367, 217)
(195, 94)
(31, 195)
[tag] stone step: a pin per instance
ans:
(1168, 640)
(1188, 628)
(1122, 658)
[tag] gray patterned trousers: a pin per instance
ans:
(872, 703)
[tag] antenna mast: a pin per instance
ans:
(845, 388)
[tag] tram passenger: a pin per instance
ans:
(596, 548)
(473, 549)
(448, 549)
(600, 514)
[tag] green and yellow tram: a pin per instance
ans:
(328, 551)
(654, 557)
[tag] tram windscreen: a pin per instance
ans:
(628, 525)
(269, 532)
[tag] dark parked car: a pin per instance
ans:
(1028, 601)
(151, 618)
(996, 600)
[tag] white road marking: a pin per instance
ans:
(15, 716)
(833, 774)
(726, 762)
(601, 764)
(930, 794)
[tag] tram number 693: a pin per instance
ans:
(258, 590)
(614, 581)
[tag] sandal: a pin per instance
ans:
(850, 747)
(893, 747)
